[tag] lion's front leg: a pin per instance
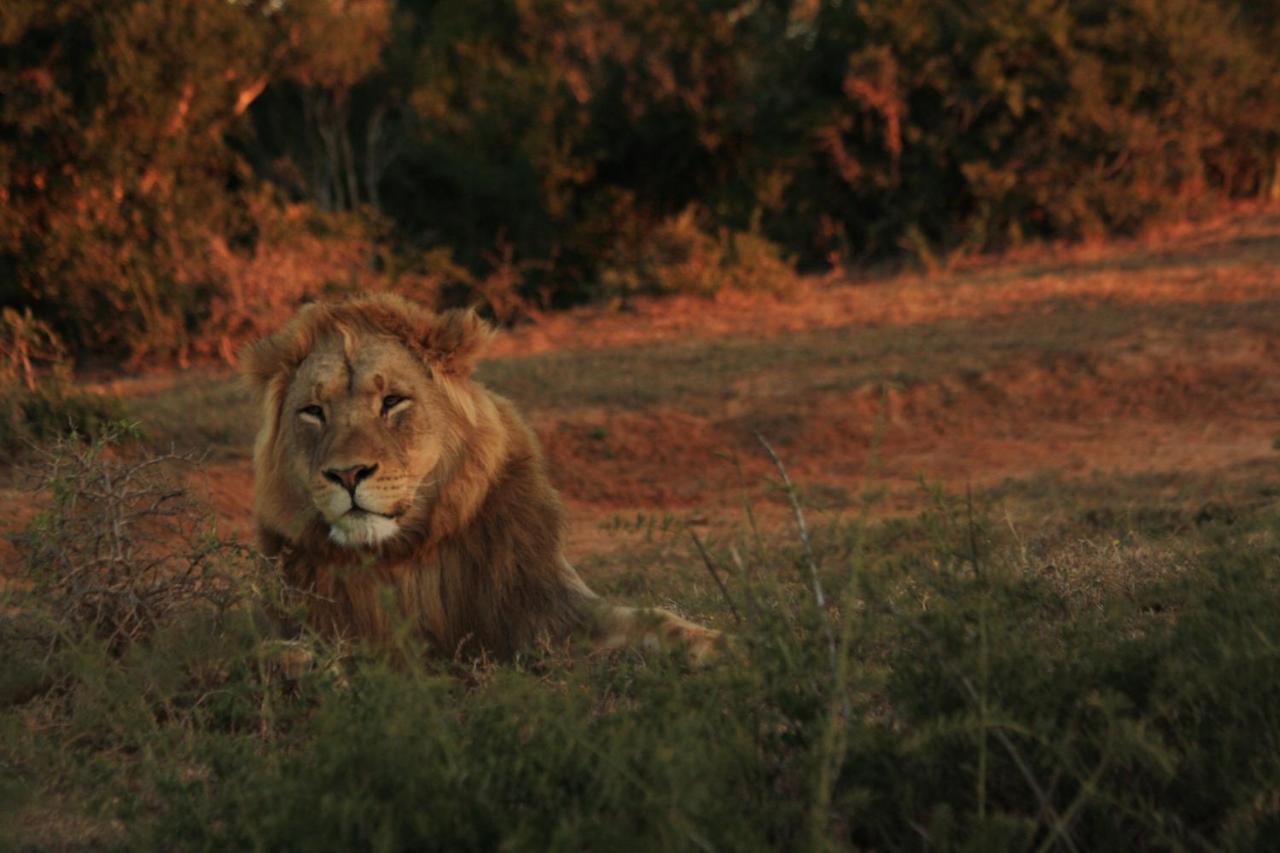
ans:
(654, 629)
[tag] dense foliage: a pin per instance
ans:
(185, 166)
(957, 691)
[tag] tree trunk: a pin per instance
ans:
(343, 130)
(374, 162)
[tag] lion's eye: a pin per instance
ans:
(390, 401)
(312, 412)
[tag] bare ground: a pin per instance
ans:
(1153, 356)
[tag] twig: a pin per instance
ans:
(819, 598)
(715, 576)
(745, 573)
(1058, 825)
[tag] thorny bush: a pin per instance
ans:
(121, 544)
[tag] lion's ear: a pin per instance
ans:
(267, 359)
(279, 353)
(260, 361)
(454, 341)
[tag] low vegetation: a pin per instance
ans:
(37, 400)
(948, 681)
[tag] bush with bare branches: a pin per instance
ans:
(121, 545)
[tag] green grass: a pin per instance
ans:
(701, 376)
(1058, 663)
(201, 413)
(29, 417)
(1160, 505)
(1094, 686)
(760, 376)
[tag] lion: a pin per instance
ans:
(398, 491)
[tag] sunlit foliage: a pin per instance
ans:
(161, 160)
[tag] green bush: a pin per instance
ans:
(48, 413)
(681, 256)
(954, 693)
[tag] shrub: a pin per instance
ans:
(942, 689)
(554, 152)
(119, 180)
(120, 545)
(35, 401)
(969, 703)
(51, 412)
(681, 256)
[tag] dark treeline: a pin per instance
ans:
(172, 171)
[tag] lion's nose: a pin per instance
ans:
(349, 478)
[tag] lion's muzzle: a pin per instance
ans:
(350, 478)
(350, 501)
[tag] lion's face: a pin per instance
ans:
(368, 408)
(365, 433)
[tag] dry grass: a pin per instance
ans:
(1121, 388)
(1231, 260)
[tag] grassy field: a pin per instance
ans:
(1045, 523)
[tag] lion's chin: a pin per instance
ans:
(362, 529)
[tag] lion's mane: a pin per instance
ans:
(482, 566)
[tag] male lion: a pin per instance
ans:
(398, 491)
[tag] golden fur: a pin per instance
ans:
(399, 491)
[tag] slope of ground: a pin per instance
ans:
(1134, 360)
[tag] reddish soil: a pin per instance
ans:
(1201, 405)
(977, 433)
(1196, 410)
(1162, 405)
(1217, 261)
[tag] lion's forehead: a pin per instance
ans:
(321, 375)
(362, 364)
(384, 363)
